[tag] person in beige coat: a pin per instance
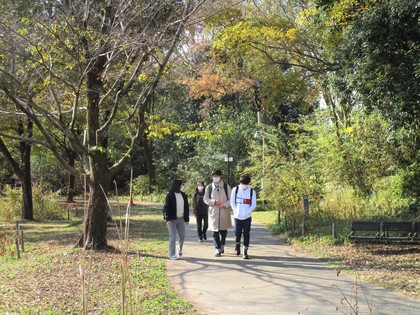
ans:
(217, 197)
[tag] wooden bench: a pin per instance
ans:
(416, 231)
(371, 230)
(397, 231)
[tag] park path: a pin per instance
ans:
(276, 280)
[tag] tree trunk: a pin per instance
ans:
(148, 158)
(71, 190)
(26, 178)
(27, 205)
(95, 227)
(95, 223)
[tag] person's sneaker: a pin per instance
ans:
(200, 240)
(180, 254)
(238, 249)
(205, 237)
(173, 257)
(223, 249)
(217, 253)
(245, 256)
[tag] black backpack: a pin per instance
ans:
(224, 187)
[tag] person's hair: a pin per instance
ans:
(217, 172)
(176, 186)
(196, 186)
(245, 179)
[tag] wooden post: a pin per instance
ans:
(77, 212)
(68, 213)
(334, 233)
(21, 241)
(19, 237)
(305, 213)
(17, 248)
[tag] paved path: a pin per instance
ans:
(276, 280)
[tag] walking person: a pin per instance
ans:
(176, 214)
(200, 212)
(243, 200)
(217, 196)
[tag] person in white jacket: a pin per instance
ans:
(243, 200)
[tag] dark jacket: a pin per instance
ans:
(169, 208)
(199, 207)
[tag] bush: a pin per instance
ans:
(388, 199)
(141, 185)
(10, 203)
(46, 205)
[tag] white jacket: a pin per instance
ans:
(241, 204)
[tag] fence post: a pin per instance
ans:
(21, 241)
(334, 232)
(19, 237)
(305, 213)
(17, 240)
(17, 248)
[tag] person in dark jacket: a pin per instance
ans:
(176, 214)
(200, 211)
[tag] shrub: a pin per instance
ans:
(10, 203)
(388, 199)
(141, 185)
(46, 205)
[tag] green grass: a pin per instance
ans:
(47, 278)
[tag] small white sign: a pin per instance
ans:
(230, 159)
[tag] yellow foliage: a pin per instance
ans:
(160, 128)
(142, 77)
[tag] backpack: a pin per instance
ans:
(224, 187)
(236, 194)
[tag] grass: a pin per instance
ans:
(47, 278)
(393, 266)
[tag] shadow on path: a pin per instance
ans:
(276, 280)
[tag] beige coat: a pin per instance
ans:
(219, 218)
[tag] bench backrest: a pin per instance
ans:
(365, 226)
(397, 226)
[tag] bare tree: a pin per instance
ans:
(94, 64)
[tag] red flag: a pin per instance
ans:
(131, 200)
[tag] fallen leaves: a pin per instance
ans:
(393, 266)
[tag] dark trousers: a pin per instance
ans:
(202, 225)
(219, 238)
(245, 227)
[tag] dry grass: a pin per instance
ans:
(47, 279)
